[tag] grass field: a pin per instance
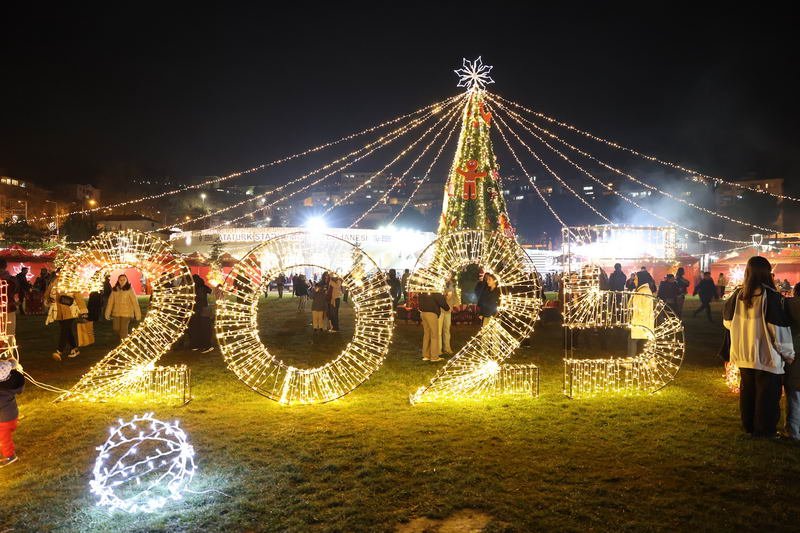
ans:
(371, 462)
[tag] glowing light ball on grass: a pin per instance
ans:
(144, 464)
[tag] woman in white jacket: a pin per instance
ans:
(122, 306)
(761, 341)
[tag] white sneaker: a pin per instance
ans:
(207, 350)
(57, 356)
(435, 359)
(73, 353)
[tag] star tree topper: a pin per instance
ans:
(474, 74)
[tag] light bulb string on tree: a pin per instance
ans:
(451, 123)
(553, 173)
(399, 156)
(369, 148)
(520, 120)
(315, 182)
(530, 178)
(426, 176)
(625, 198)
(233, 175)
(694, 174)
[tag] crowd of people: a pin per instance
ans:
(762, 325)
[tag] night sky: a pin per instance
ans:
(90, 96)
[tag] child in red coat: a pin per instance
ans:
(11, 384)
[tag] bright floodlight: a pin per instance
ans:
(316, 224)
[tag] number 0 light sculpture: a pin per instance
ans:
(125, 369)
(477, 369)
(237, 328)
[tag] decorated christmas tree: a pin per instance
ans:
(473, 194)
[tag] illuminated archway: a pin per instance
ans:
(251, 361)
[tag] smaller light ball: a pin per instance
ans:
(141, 471)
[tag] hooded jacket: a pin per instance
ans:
(9, 388)
(761, 337)
(123, 303)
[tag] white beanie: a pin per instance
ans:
(6, 367)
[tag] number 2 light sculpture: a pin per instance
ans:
(477, 369)
(125, 368)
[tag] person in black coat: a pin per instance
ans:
(489, 298)
(668, 291)
(200, 337)
(644, 277)
(617, 279)
(395, 287)
(11, 383)
(707, 291)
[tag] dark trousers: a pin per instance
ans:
(280, 291)
(759, 401)
(66, 336)
(200, 330)
(333, 314)
(704, 304)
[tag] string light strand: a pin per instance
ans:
(633, 178)
(450, 123)
(622, 196)
(694, 174)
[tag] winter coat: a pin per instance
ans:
(64, 311)
(123, 303)
(668, 291)
(335, 290)
(642, 277)
(760, 335)
(616, 281)
(201, 292)
(792, 376)
(683, 285)
(451, 295)
(395, 288)
(706, 290)
(432, 302)
(319, 298)
(300, 287)
(488, 301)
(9, 389)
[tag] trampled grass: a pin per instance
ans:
(675, 460)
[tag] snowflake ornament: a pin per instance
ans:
(474, 74)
